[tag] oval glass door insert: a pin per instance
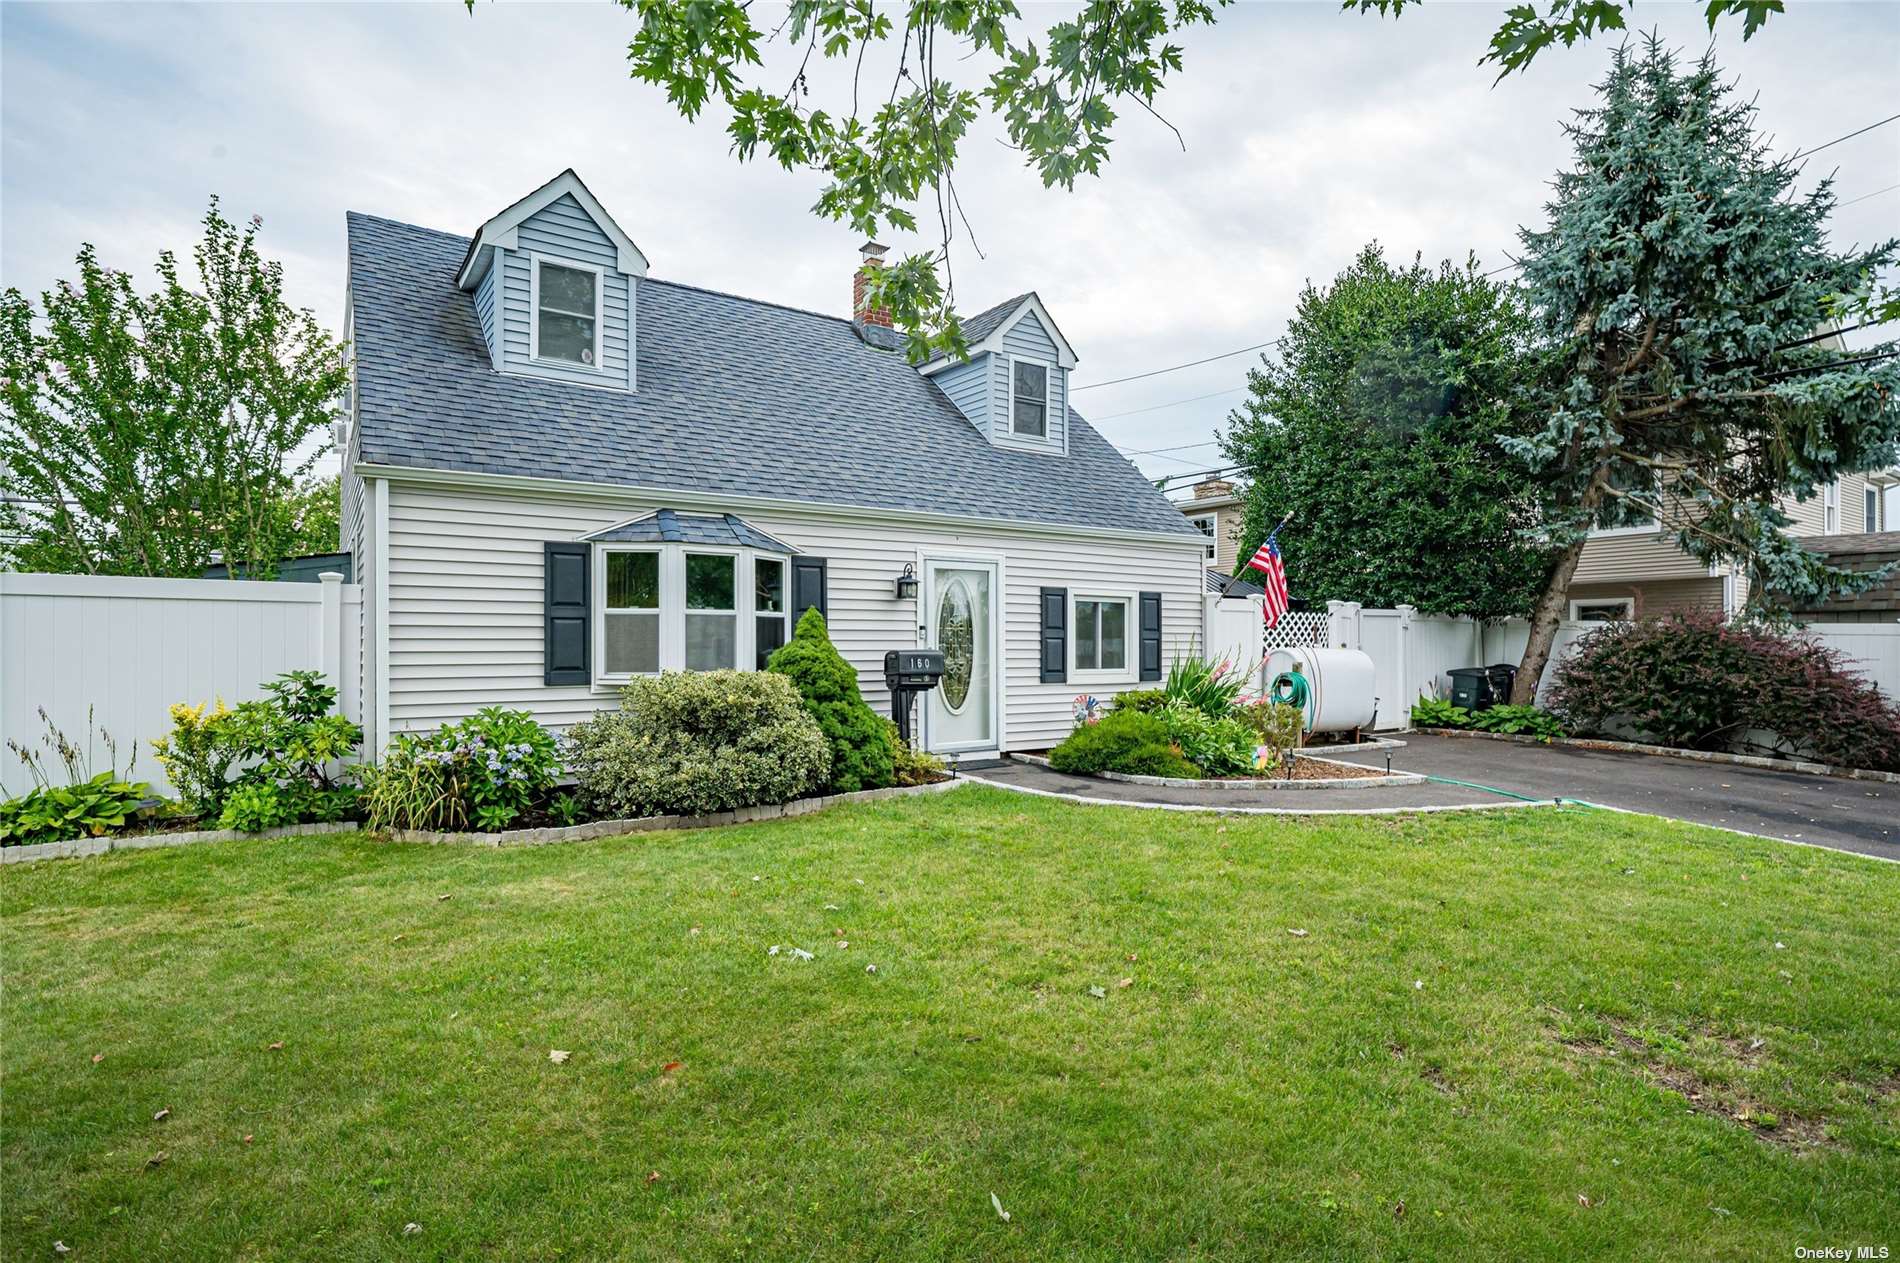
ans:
(956, 636)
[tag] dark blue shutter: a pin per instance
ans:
(565, 588)
(1150, 635)
(1055, 635)
(808, 587)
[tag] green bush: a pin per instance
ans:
(1218, 746)
(1436, 712)
(912, 767)
(72, 799)
(198, 755)
(293, 741)
(1518, 721)
(1147, 701)
(1280, 726)
(254, 806)
(60, 813)
(696, 742)
(861, 756)
(1126, 741)
(485, 771)
(1209, 687)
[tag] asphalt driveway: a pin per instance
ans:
(1846, 815)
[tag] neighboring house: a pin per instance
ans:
(1880, 603)
(1637, 571)
(1216, 511)
(562, 472)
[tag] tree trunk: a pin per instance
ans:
(1544, 620)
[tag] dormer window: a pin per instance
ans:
(1029, 399)
(566, 313)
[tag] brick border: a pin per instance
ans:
(82, 847)
(79, 848)
(1672, 752)
(1382, 781)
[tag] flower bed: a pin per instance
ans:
(1306, 772)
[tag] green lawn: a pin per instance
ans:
(1249, 1093)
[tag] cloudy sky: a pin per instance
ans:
(1309, 132)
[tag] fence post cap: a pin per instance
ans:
(331, 576)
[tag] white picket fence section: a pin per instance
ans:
(128, 648)
(1412, 652)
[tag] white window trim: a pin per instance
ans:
(1627, 602)
(1130, 672)
(1831, 508)
(673, 604)
(1048, 401)
(1212, 533)
(1870, 508)
(534, 311)
(784, 613)
(1610, 532)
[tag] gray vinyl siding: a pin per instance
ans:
(465, 601)
(485, 310)
(1030, 340)
(562, 230)
(967, 385)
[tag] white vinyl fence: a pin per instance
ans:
(127, 649)
(1411, 652)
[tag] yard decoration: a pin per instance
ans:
(861, 752)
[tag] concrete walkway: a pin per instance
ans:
(1825, 811)
(1829, 811)
(1385, 798)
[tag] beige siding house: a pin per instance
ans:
(1215, 511)
(1638, 571)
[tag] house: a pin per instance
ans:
(1874, 551)
(1216, 510)
(1638, 571)
(561, 472)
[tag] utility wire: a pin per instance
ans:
(1174, 368)
(1172, 403)
(1838, 139)
(1864, 196)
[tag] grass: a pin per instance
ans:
(1495, 1020)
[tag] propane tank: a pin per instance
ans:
(1332, 687)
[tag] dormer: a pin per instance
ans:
(556, 284)
(1014, 387)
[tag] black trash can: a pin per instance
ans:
(1471, 687)
(1503, 677)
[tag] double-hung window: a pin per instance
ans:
(1029, 399)
(566, 313)
(1205, 523)
(1100, 636)
(1831, 508)
(675, 606)
(630, 616)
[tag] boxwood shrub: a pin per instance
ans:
(1122, 741)
(1696, 682)
(696, 742)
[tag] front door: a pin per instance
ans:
(960, 619)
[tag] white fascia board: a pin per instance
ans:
(614, 493)
(993, 345)
(503, 229)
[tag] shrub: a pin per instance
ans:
(691, 743)
(255, 806)
(198, 755)
(1127, 741)
(861, 758)
(1218, 746)
(1209, 687)
(912, 767)
(485, 771)
(1280, 726)
(1147, 701)
(1437, 712)
(1517, 721)
(1696, 682)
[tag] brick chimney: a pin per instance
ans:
(872, 255)
(1212, 488)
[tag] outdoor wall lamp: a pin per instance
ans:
(907, 584)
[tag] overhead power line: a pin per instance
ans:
(1172, 403)
(1175, 368)
(1864, 196)
(1838, 139)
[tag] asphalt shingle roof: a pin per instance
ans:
(735, 396)
(666, 526)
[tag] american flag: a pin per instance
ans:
(1272, 577)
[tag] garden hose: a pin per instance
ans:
(1489, 789)
(1291, 688)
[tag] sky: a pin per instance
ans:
(1308, 132)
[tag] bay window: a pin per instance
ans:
(671, 607)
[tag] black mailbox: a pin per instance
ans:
(908, 672)
(913, 669)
